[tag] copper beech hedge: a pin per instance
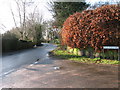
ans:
(92, 28)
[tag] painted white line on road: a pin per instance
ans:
(35, 62)
(8, 72)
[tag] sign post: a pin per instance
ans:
(113, 47)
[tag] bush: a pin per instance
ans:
(11, 43)
(14, 44)
(21, 44)
(109, 55)
(93, 28)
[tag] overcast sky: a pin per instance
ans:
(6, 20)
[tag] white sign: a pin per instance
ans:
(110, 47)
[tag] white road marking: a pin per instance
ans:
(9, 72)
(5, 73)
(35, 62)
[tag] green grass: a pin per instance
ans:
(70, 56)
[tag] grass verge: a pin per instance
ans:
(70, 56)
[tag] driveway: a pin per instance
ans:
(44, 74)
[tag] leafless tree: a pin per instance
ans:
(21, 8)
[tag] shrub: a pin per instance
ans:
(11, 43)
(92, 28)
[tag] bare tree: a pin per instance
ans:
(21, 6)
(2, 27)
(19, 11)
(33, 20)
(30, 23)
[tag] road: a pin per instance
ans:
(14, 61)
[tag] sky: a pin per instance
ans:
(94, 1)
(6, 19)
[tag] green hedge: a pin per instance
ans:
(15, 44)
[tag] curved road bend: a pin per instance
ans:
(14, 61)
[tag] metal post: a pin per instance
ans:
(104, 55)
(118, 54)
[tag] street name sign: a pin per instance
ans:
(110, 47)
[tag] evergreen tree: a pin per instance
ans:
(62, 10)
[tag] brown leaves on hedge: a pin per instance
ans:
(93, 28)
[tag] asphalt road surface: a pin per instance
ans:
(15, 60)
